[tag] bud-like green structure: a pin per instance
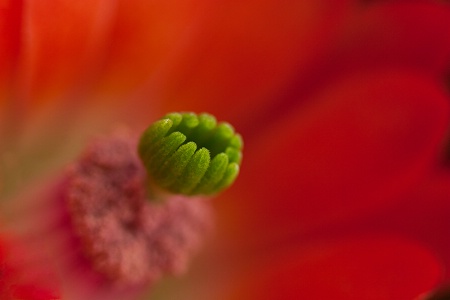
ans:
(191, 154)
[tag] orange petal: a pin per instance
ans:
(366, 268)
(144, 35)
(360, 144)
(62, 44)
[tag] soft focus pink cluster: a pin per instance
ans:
(343, 106)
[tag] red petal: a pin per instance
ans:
(367, 268)
(21, 277)
(411, 35)
(422, 214)
(33, 292)
(10, 19)
(362, 142)
(245, 52)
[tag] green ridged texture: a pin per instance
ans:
(191, 154)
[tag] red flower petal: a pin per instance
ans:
(367, 268)
(33, 292)
(20, 278)
(245, 52)
(10, 12)
(423, 214)
(411, 35)
(362, 142)
(9, 45)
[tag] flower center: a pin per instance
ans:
(191, 155)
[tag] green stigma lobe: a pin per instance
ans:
(191, 154)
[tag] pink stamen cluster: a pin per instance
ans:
(127, 238)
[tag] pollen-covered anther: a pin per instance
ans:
(191, 154)
(126, 238)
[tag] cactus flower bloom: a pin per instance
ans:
(343, 105)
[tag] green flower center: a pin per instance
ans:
(191, 154)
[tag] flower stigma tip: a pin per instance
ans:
(191, 154)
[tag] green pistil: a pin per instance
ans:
(191, 154)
